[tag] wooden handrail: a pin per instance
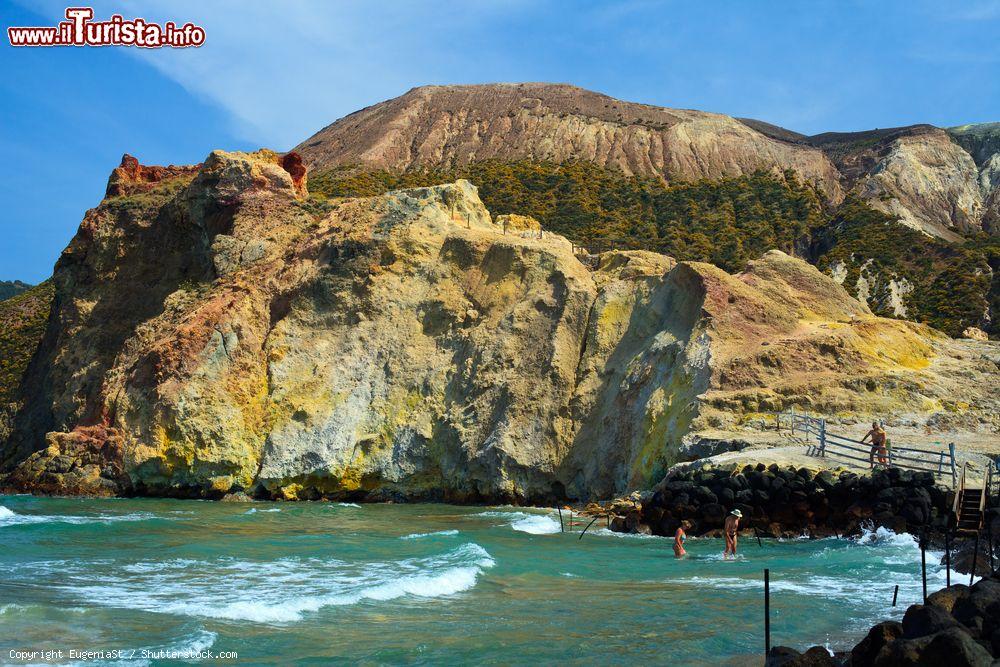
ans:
(959, 491)
(899, 457)
(982, 496)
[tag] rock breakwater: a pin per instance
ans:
(789, 502)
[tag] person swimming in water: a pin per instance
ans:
(731, 528)
(679, 537)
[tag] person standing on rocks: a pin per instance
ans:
(679, 537)
(731, 527)
(877, 434)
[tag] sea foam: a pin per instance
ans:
(439, 533)
(534, 524)
(10, 518)
(278, 591)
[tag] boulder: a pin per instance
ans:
(975, 333)
(955, 648)
(781, 656)
(946, 598)
(817, 656)
(921, 620)
(878, 638)
(969, 610)
(713, 514)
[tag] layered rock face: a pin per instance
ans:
(930, 184)
(435, 126)
(919, 174)
(218, 331)
(942, 183)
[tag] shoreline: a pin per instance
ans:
(842, 643)
(958, 625)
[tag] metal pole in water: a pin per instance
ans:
(767, 612)
(895, 594)
(758, 537)
(588, 527)
(975, 556)
(947, 558)
(923, 563)
(560, 519)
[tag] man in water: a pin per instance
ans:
(731, 527)
(877, 434)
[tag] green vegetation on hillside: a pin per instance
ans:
(22, 323)
(950, 282)
(9, 288)
(727, 222)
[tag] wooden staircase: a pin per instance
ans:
(970, 512)
(970, 505)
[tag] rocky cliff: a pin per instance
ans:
(941, 182)
(215, 329)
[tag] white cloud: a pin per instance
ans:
(284, 70)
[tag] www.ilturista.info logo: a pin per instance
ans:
(80, 30)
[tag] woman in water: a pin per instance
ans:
(679, 538)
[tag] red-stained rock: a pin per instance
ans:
(130, 176)
(292, 163)
(86, 461)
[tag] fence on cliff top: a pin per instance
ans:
(822, 442)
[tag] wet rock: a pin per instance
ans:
(954, 647)
(877, 639)
(970, 610)
(921, 620)
(946, 598)
(962, 558)
(781, 656)
(237, 497)
(713, 514)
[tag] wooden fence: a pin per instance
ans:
(822, 442)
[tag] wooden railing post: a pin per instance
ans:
(822, 437)
(954, 472)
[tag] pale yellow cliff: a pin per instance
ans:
(219, 331)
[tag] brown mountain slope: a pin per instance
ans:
(444, 126)
(918, 173)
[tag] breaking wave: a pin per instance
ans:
(534, 524)
(10, 518)
(439, 533)
(278, 591)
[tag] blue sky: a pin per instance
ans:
(271, 74)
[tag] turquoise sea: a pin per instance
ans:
(329, 583)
